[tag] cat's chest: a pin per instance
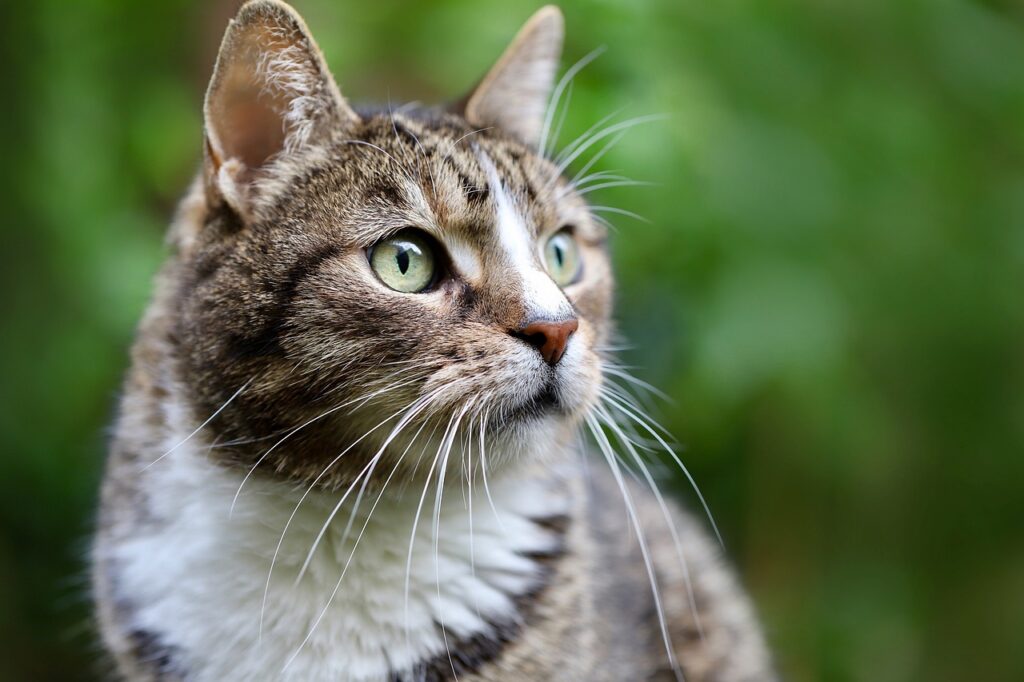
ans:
(221, 591)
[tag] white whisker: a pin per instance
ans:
(626, 442)
(201, 426)
(456, 143)
(686, 472)
(597, 157)
(291, 517)
(415, 523)
(411, 413)
(619, 211)
(362, 400)
(620, 372)
(606, 449)
(610, 130)
(483, 473)
(571, 147)
(610, 185)
(437, 527)
(557, 94)
(352, 553)
(402, 168)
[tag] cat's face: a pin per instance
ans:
(375, 290)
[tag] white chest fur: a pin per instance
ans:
(197, 578)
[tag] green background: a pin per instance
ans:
(830, 286)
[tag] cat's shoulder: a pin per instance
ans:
(648, 542)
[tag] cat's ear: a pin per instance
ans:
(514, 94)
(270, 94)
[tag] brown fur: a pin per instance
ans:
(268, 298)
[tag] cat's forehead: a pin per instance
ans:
(439, 173)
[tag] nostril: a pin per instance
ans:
(548, 337)
(537, 339)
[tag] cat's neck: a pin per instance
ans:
(300, 583)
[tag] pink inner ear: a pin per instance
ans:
(251, 129)
(270, 92)
(248, 104)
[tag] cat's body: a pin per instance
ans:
(325, 468)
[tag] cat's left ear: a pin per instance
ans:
(271, 95)
(514, 94)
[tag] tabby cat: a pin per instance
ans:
(347, 448)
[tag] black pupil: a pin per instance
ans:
(402, 258)
(559, 255)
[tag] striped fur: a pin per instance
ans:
(297, 487)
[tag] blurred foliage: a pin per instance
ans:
(830, 286)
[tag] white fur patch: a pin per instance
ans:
(196, 577)
(466, 259)
(543, 299)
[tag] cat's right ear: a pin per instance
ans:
(271, 94)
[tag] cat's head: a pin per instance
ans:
(394, 282)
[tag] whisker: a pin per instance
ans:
(352, 553)
(415, 523)
(469, 486)
(620, 372)
(601, 220)
(291, 517)
(227, 444)
(571, 147)
(201, 426)
(619, 345)
(422, 153)
(586, 184)
(362, 400)
(456, 143)
(483, 472)
(394, 128)
(373, 146)
(610, 130)
(619, 211)
(625, 441)
(686, 472)
(606, 449)
(557, 94)
(437, 528)
(638, 404)
(401, 166)
(416, 408)
(610, 185)
(600, 175)
(561, 121)
(598, 156)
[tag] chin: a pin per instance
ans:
(545, 425)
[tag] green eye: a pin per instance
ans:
(562, 257)
(405, 262)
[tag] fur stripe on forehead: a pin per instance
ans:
(542, 297)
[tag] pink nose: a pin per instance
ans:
(550, 338)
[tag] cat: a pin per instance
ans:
(347, 445)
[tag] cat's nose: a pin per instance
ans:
(548, 337)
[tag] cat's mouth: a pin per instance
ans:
(543, 403)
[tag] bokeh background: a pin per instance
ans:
(830, 286)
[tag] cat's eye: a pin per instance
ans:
(406, 262)
(562, 257)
